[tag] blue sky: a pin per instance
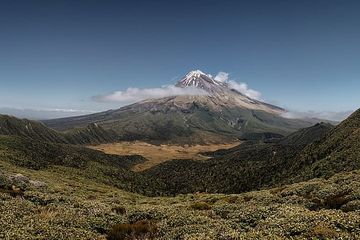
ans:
(57, 55)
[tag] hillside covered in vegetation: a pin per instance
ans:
(318, 151)
(61, 203)
(92, 164)
(251, 165)
(90, 134)
(304, 186)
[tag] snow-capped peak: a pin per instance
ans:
(196, 73)
(199, 79)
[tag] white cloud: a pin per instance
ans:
(65, 110)
(238, 86)
(131, 95)
(251, 93)
(244, 89)
(138, 94)
(328, 115)
(222, 77)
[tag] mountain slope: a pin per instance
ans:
(249, 166)
(307, 136)
(218, 113)
(338, 151)
(91, 164)
(29, 129)
(318, 151)
(60, 203)
(90, 134)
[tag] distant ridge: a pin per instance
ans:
(91, 134)
(30, 129)
(246, 167)
(338, 151)
(319, 151)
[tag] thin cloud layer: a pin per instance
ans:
(328, 115)
(138, 94)
(44, 113)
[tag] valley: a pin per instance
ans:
(302, 186)
(156, 154)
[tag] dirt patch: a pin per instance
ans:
(157, 154)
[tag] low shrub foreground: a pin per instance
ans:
(58, 203)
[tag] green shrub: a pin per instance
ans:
(231, 199)
(324, 232)
(278, 190)
(201, 206)
(247, 198)
(337, 200)
(139, 230)
(333, 201)
(4, 181)
(119, 210)
(13, 192)
(351, 206)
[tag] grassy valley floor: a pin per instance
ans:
(69, 206)
(157, 154)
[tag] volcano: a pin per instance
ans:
(216, 113)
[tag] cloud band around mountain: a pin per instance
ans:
(132, 95)
(138, 94)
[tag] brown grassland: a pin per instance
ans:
(157, 154)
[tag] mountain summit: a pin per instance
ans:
(222, 94)
(222, 114)
(200, 80)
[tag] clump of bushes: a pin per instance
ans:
(4, 181)
(20, 181)
(337, 200)
(143, 229)
(119, 210)
(247, 198)
(139, 216)
(231, 199)
(332, 201)
(322, 231)
(278, 190)
(14, 192)
(351, 206)
(13, 185)
(201, 206)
